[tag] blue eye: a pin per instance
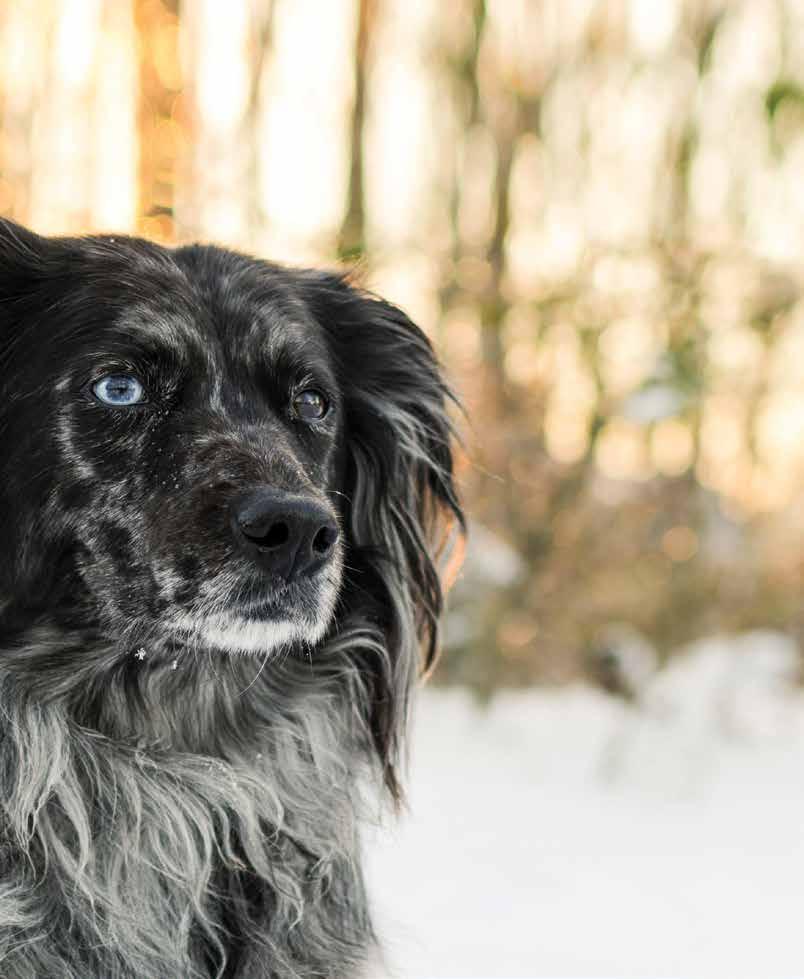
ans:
(120, 390)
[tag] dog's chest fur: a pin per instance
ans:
(248, 863)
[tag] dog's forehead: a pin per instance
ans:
(224, 306)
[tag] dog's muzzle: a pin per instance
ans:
(287, 535)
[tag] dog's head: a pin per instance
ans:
(205, 448)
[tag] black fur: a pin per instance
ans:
(169, 806)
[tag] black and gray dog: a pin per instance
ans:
(223, 487)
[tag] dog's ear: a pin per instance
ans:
(25, 263)
(401, 504)
(22, 254)
(23, 269)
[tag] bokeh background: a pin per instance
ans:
(595, 209)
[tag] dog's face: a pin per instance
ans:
(177, 420)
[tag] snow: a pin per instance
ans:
(568, 833)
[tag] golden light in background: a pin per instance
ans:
(572, 396)
(550, 253)
(722, 429)
(115, 149)
(634, 274)
(161, 118)
(215, 60)
(566, 434)
(628, 350)
(710, 185)
(461, 338)
(652, 24)
(61, 133)
(400, 127)
(303, 168)
(527, 202)
(680, 543)
(477, 157)
(736, 352)
(779, 429)
(621, 450)
(24, 46)
(672, 447)
(520, 339)
(786, 357)
(410, 156)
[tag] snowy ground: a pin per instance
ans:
(563, 833)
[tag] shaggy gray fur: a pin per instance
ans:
(112, 845)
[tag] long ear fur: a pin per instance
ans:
(23, 261)
(24, 267)
(401, 499)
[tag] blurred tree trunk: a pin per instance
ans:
(260, 45)
(351, 239)
(159, 114)
(463, 71)
(507, 128)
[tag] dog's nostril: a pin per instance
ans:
(324, 540)
(277, 534)
(287, 535)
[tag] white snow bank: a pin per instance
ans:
(565, 833)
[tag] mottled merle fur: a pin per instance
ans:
(181, 746)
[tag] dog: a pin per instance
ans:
(226, 488)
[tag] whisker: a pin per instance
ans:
(259, 671)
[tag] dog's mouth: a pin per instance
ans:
(256, 620)
(233, 633)
(281, 599)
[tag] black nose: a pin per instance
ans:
(286, 534)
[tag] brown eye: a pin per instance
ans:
(310, 405)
